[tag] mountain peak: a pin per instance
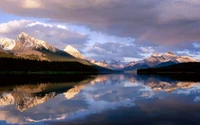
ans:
(23, 34)
(169, 53)
(71, 49)
(24, 42)
(156, 54)
(74, 52)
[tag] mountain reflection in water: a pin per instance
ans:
(103, 99)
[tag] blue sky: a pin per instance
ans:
(107, 29)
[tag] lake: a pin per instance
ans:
(115, 99)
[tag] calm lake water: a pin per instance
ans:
(101, 100)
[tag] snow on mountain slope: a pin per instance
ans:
(25, 42)
(32, 48)
(74, 52)
(156, 59)
(112, 65)
(186, 59)
(98, 63)
(7, 44)
(130, 64)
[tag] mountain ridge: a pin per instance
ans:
(32, 48)
(157, 60)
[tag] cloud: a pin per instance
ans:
(162, 22)
(114, 50)
(160, 26)
(57, 35)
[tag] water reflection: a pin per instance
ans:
(108, 99)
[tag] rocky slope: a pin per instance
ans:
(25, 46)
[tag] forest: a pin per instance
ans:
(25, 65)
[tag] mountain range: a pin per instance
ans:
(158, 60)
(25, 46)
(29, 47)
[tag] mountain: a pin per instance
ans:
(32, 48)
(6, 54)
(24, 42)
(74, 52)
(2, 50)
(7, 44)
(113, 64)
(28, 47)
(99, 63)
(159, 60)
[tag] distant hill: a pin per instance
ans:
(192, 67)
(158, 60)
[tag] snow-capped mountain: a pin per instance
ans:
(29, 47)
(2, 50)
(112, 65)
(7, 44)
(74, 52)
(130, 64)
(25, 43)
(99, 63)
(157, 60)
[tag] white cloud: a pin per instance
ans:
(57, 35)
(114, 50)
(167, 25)
(13, 25)
(162, 22)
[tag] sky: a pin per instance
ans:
(125, 30)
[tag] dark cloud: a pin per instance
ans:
(162, 22)
(164, 25)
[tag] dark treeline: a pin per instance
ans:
(183, 68)
(11, 64)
